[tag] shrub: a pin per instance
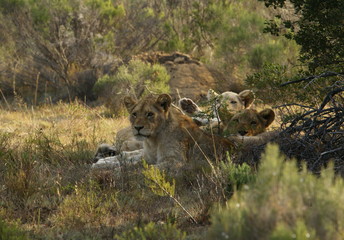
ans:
(269, 79)
(241, 47)
(271, 76)
(236, 176)
(88, 206)
(283, 203)
(320, 38)
(156, 181)
(10, 232)
(153, 231)
(136, 78)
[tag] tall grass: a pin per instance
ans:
(49, 191)
(46, 153)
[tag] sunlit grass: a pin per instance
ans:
(48, 190)
(66, 121)
(46, 152)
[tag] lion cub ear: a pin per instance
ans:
(211, 94)
(247, 96)
(268, 115)
(129, 103)
(164, 100)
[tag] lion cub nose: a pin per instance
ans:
(138, 128)
(242, 132)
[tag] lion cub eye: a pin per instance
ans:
(253, 123)
(150, 114)
(233, 102)
(134, 115)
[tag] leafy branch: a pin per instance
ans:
(156, 181)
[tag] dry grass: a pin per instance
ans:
(46, 154)
(64, 120)
(48, 189)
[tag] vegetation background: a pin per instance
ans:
(59, 60)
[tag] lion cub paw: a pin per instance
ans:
(107, 163)
(188, 106)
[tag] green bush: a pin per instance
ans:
(268, 80)
(320, 38)
(156, 181)
(236, 176)
(137, 78)
(269, 51)
(271, 76)
(9, 232)
(153, 231)
(283, 203)
(241, 47)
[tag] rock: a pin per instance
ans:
(190, 78)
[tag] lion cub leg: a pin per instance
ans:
(193, 110)
(131, 157)
(189, 107)
(124, 158)
(131, 145)
(105, 150)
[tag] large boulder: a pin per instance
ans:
(189, 77)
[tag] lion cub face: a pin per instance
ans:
(148, 115)
(249, 122)
(232, 101)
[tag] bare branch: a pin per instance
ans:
(310, 78)
(329, 96)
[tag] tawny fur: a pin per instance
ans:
(249, 122)
(170, 138)
(232, 101)
(125, 140)
(226, 102)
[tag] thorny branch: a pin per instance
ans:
(310, 78)
(314, 134)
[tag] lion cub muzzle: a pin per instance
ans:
(140, 133)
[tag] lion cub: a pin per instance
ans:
(170, 138)
(249, 122)
(227, 101)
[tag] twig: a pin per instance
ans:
(293, 104)
(325, 153)
(310, 78)
(208, 160)
(36, 90)
(301, 117)
(206, 157)
(329, 97)
(175, 200)
(179, 97)
(3, 96)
